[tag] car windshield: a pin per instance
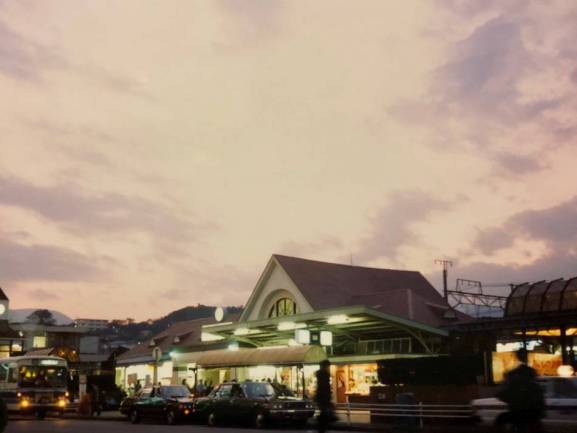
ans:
(177, 391)
(42, 377)
(259, 389)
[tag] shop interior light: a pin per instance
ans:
(326, 338)
(207, 336)
(565, 371)
(338, 319)
(241, 331)
(513, 346)
(554, 332)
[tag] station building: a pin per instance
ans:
(299, 313)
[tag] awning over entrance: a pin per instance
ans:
(261, 356)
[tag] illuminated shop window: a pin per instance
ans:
(283, 307)
(39, 342)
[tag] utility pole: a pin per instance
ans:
(446, 264)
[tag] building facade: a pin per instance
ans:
(299, 313)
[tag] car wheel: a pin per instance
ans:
(259, 420)
(211, 419)
(134, 416)
(170, 417)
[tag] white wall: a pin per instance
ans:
(278, 285)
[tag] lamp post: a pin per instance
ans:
(156, 355)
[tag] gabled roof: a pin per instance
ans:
(188, 333)
(405, 294)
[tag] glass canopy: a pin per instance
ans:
(543, 297)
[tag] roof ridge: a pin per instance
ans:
(345, 265)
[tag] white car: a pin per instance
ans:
(560, 397)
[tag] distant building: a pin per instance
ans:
(11, 341)
(91, 324)
(123, 322)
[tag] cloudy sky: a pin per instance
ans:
(155, 153)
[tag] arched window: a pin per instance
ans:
(283, 307)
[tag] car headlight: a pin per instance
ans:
(24, 403)
(61, 403)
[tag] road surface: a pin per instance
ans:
(96, 426)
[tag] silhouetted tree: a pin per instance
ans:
(42, 317)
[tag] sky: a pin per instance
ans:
(155, 153)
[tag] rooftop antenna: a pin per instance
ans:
(446, 264)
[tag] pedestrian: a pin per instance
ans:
(95, 403)
(200, 388)
(524, 398)
(323, 396)
(137, 387)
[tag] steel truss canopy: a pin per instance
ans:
(353, 322)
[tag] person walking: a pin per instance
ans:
(137, 387)
(524, 397)
(323, 396)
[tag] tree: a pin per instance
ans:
(42, 317)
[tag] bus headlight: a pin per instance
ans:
(24, 403)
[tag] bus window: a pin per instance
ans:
(42, 377)
(3, 372)
(13, 374)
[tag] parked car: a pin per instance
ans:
(127, 402)
(256, 403)
(560, 398)
(172, 404)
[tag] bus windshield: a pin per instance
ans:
(39, 376)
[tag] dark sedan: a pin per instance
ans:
(256, 403)
(171, 404)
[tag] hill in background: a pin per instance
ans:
(135, 332)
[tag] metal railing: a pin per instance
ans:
(418, 412)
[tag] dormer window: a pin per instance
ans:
(176, 340)
(283, 307)
(152, 343)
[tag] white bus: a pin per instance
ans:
(34, 384)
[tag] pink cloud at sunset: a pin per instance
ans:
(155, 154)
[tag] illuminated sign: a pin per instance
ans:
(303, 336)
(326, 338)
